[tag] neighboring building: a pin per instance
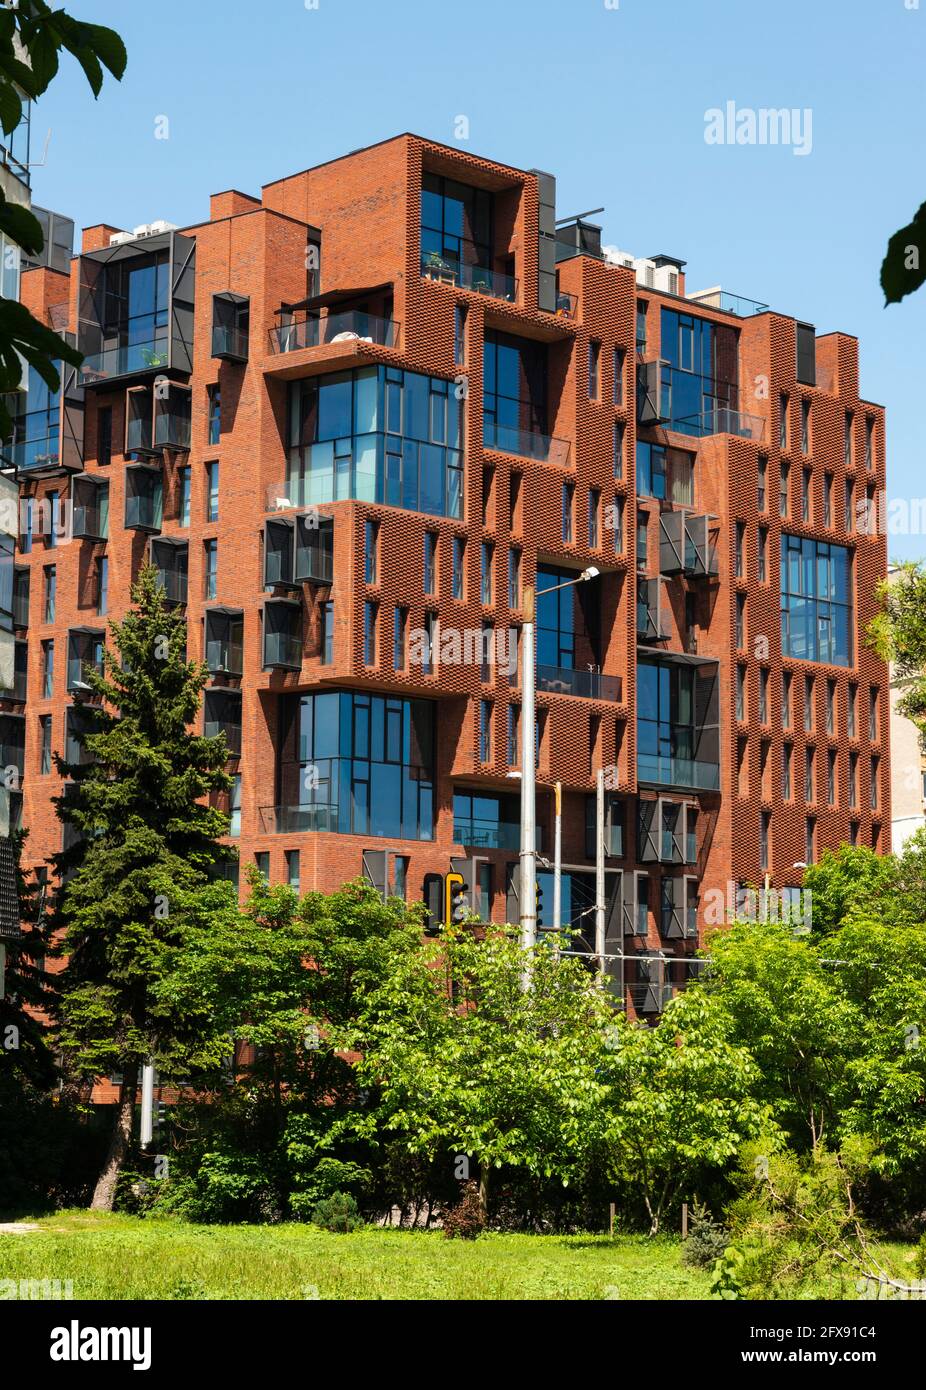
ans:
(908, 774)
(474, 400)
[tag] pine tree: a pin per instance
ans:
(142, 841)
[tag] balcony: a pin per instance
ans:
(685, 546)
(170, 559)
(135, 308)
(20, 597)
(230, 326)
(144, 500)
(664, 770)
(222, 715)
(172, 417)
(677, 922)
(489, 834)
(224, 641)
(509, 439)
(447, 270)
(298, 550)
(282, 634)
(85, 652)
(20, 673)
(652, 616)
(89, 507)
(589, 685)
(298, 820)
(719, 419)
(79, 721)
(48, 427)
(13, 743)
(567, 305)
(349, 325)
(727, 303)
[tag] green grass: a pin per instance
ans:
(117, 1257)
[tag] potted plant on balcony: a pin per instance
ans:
(437, 268)
(153, 359)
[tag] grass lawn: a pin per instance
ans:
(115, 1257)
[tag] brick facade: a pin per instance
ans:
(366, 207)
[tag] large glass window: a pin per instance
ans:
(567, 621)
(456, 221)
(378, 435)
(677, 724)
(816, 601)
(514, 402)
(699, 377)
(357, 764)
(486, 821)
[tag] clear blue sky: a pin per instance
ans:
(611, 101)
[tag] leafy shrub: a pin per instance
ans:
(337, 1213)
(707, 1239)
(466, 1220)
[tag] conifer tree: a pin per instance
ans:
(141, 842)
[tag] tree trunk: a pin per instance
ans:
(484, 1188)
(105, 1189)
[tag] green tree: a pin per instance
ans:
(903, 269)
(680, 1101)
(847, 882)
(898, 634)
(145, 841)
(466, 1062)
(32, 35)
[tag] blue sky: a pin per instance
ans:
(610, 100)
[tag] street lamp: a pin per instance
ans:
(526, 895)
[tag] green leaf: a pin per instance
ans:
(903, 269)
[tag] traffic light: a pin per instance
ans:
(538, 894)
(456, 907)
(434, 903)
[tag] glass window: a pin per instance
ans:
(262, 860)
(651, 470)
(594, 509)
(48, 668)
(805, 426)
(371, 551)
(699, 375)
(459, 567)
(783, 405)
(370, 613)
(762, 555)
(568, 493)
(45, 732)
(485, 731)
(487, 559)
(214, 435)
(459, 334)
(594, 369)
(739, 562)
(326, 618)
(786, 754)
(51, 585)
(849, 423)
(102, 585)
(183, 510)
(399, 625)
(761, 492)
(292, 868)
(514, 578)
(430, 562)
(786, 700)
(212, 491)
(816, 601)
(210, 571)
(619, 432)
(104, 435)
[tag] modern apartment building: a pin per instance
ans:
(352, 422)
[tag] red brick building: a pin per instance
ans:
(364, 413)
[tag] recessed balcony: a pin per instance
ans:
(170, 559)
(85, 652)
(685, 546)
(89, 507)
(448, 270)
(588, 685)
(312, 330)
(224, 641)
(282, 634)
(230, 326)
(144, 499)
(511, 439)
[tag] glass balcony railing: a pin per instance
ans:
(283, 649)
(486, 834)
(590, 685)
(728, 303)
(295, 820)
(478, 278)
(124, 360)
(174, 584)
(349, 326)
(224, 657)
(720, 419)
(666, 771)
(213, 727)
(566, 304)
(40, 450)
(230, 342)
(510, 439)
